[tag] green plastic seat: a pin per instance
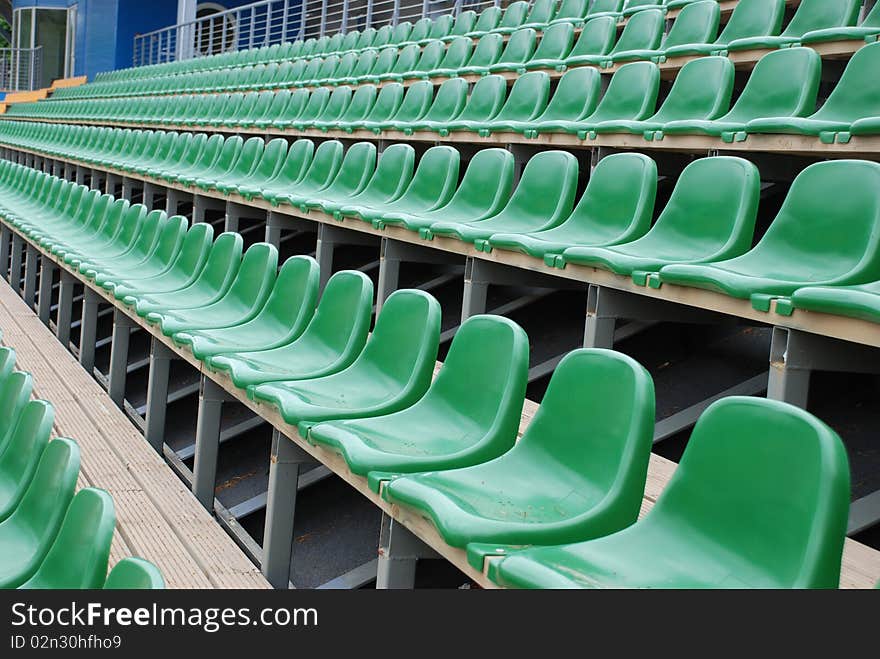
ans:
(430, 188)
(299, 99)
(333, 339)
(273, 158)
(314, 107)
(449, 101)
(866, 126)
(724, 520)
(241, 302)
(387, 182)
(383, 36)
(697, 23)
(15, 391)
(526, 101)
(27, 535)
(868, 30)
(321, 171)
(555, 44)
(488, 20)
(487, 51)
(811, 15)
(631, 95)
(486, 100)
(78, 558)
(465, 23)
(366, 62)
(354, 173)
(826, 234)
(440, 28)
(210, 285)
(585, 454)
(484, 190)
(387, 62)
(416, 102)
(514, 16)
(245, 164)
(470, 413)
(605, 8)
(291, 170)
(401, 32)
(709, 217)
(134, 574)
(702, 91)
(636, 6)
(784, 83)
(750, 19)
(856, 301)
(144, 247)
(288, 309)
(362, 101)
(855, 97)
(616, 207)
(432, 57)
(21, 452)
(542, 200)
(387, 104)
(392, 373)
(519, 49)
(643, 32)
(224, 162)
(572, 12)
(337, 104)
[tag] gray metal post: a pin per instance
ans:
(15, 262)
(88, 328)
(30, 275)
(233, 215)
(323, 25)
(211, 399)
(273, 229)
(150, 190)
(475, 291)
(5, 244)
(173, 199)
(599, 328)
(328, 237)
(399, 552)
(110, 183)
(286, 462)
(122, 325)
(127, 187)
(157, 394)
(65, 308)
(80, 176)
(47, 273)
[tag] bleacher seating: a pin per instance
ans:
(324, 130)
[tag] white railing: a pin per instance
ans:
(21, 69)
(276, 21)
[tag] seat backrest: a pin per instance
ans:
(296, 163)
(195, 249)
(597, 420)
(15, 391)
(486, 185)
(545, 193)
(435, 178)
(415, 102)
(456, 55)
(488, 19)
(365, 63)
(821, 14)
(520, 46)
(464, 23)
(515, 14)
(697, 22)
(527, 99)
(291, 303)
(134, 574)
(350, 41)
(393, 172)
(873, 17)
(603, 6)
(223, 262)
(571, 9)
(383, 36)
(79, 555)
(21, 454)
(644, 31)
(256, 275)
(556, 42)
(325, 163)
(618, 203)
(387, 102)
(249, 157)
(856, 95)
(362, 102)
(272, 159)
(420, 30)
(356, 169)
(316, 104)
(441, 26)
(401, 32)
(337, 104)
(342, 319)
(702, 90)
(782, 517)
(278, 105)
(784, 83)
(631, 94)
(828, 226)
(488, 50)
(389, 59)
(449, 101)
(228, 154)
(486, 99)
(753, 18)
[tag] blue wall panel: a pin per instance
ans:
(138, 18)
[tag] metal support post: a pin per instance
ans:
(65, 308)
(157, 394)
(87, 329)
(211, 399)
(122, 325)
(30, 274)
(47, 277)
(399, 553)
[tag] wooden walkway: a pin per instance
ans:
(157, 516)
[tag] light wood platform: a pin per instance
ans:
(157, 517)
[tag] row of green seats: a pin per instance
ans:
(754, 24)
(464, 469)
(715, 200)
(49, 537)
(780, 97)
(493, 20)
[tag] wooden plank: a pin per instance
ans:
(158, 518)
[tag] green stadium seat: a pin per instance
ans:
(572, 12)
(292, 169)
(27, 534)
(337, 104)
(333, 339)
(362, 101)
(811, 15)
(365, 64)
(134, 574)
(750, 19)
(697, 23)
(311, 111)
(631, 95)
(856, 301)
(21, 451)
(527, 99)
(697, 535)
(225, 160)
(555, 44)
(784, 83)
(487, 51)
(484, 190)
(470, 413)
(616, 207)
(465, 23)
(299, 99)
(488, 20)
(585, 453)
(867, 126)
(321, 170)
(248, 161)
(605, 9)
(416, 102)
(824, 235)
(702, 91)
(868, 30)
(542, 200)
(287, 312)
(79, 555)
(518, 13)
(354, 173)
(636, 6)
(709, 217)
(519, 49)
(486, 100)
(392, 373)
(15, 391)
(268, 166)
(855, 97)
(387, 103)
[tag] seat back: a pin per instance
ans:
(465, 22)
(421, 29)
(291, 303)
(631, 94)
(555, 43)
(342, 319)
(21, 454)
(456, 55)
(487, 51)
(571, 9)
(365, 38)
(272, 160)
(79, 555)
(605, 6)
(697, 22)
(520, 46)
(545, 194)
(315, 106)
(644, 31)
(401, 32)
(195, 249)
(355, 171)
(337, 104)
(782, 517)
(383, 36)
(387, 102)
(441, 26)
(516, 12)
(821, 14)
(255, 276)
(449, 101)
(527, 99)
(488, 19)
(856, 95)
(362, 102)
(393, 173)
(753, 18)
(435, 178)
(325, 164)
(415, 102)
(702, 90)
(486, 185)
(223, 262)
(784, 83)
(486, 99)
(15, 391)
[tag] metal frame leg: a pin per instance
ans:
(328, 238)
(394, 252)
(30, 275)
(285, 466)
(15, 263)
(273, 229)
(157, 394)
(211, 399)
(399, 553)
(149, 199)
(128, 185)
(80, 175)
(47, 276)
(122, 325)
(173, 199)
(5, 245)
(88, 328)
(65, 308)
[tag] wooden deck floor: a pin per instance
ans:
(157, 517)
